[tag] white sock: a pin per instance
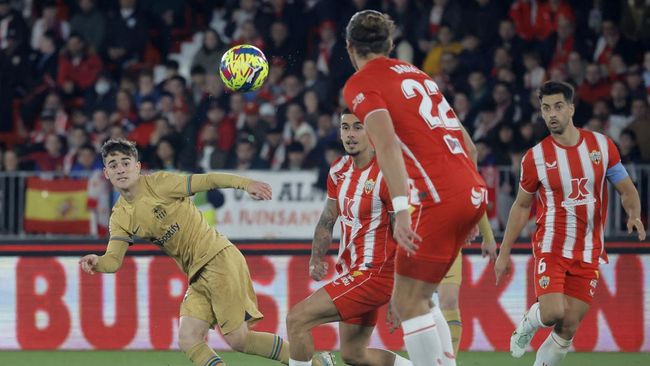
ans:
(448, 358)
(422, 340)
(533, 319)
(293, 362)
(552, 351)
(401, 361)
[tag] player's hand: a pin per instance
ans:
(502, 266)
(88, 263)
(638, 225)
(317, 269)
(489, 248)
(403, 232)
(392, 319)
(260, 190)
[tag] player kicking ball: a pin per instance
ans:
(220, 293)
(566, 173)
(358, 195)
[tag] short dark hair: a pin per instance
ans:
(346, 110)
(119, 145)
(370, 31)
(556, 87)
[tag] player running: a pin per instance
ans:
(357, 194)
(220, 293)
(566, 172)
(416, 135)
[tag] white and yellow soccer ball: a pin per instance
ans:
(244, 68)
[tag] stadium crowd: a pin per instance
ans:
(76, 72)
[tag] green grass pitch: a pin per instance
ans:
(171, 358)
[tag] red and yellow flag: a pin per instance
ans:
(57, 206)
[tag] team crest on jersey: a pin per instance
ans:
(369, 186)
(544, 281)
(357, 100)
(596, 157)
(159, 212)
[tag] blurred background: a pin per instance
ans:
(74, 73)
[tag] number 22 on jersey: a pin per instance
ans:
(444, 117)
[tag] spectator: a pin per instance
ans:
(166, 157)
(634, 82)
(99, 129)
(444, 13)
(640, 125)
(548, 16)
(445, 44)
(616, 68)
(635, 21)
(535, 74)
(326, 131)
(557, 48)
(210, 53)
(87, 161)
(273, 151)
(162, 129)
(128, 36)
(183, 100)
(594, 87)
(14, 27)
(509, 40)
(611, 42)
(102, 95)
(576, 68)
(630, 152)
(323, 51)
(10, 162)
(210, 155)
(253, 125)
(90, 22)
(77, 137)
(49, 22)
(479, 92)
(315, 81)
(619, 107)
(78, 67)
(521, 12)
(124, 112)
(295, 119)
(281, 45)
(50, 160)
(333, 151)
(295, 157)
(472, 57)
(146, 88)
(461, 106)
(45, 63)
(198, 81)
(307, 137)
(249, 35)
(45, 127)
(146, 123)
(245, 157)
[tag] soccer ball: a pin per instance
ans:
(244, 68)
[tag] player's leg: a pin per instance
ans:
(550, 276)
(196, 318)
(191, 340)
(581, 282)
(315, 310)
(448, 292)
(354, 340)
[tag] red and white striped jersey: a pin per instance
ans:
(363, 204)
(569, 183)
(426, 127)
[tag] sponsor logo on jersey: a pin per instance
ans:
(579, 195)
(168, 235)
(593, 283)
(347, 279)
(159, 212)
(596, 157)
(478, 196)
(544, 281)
(357, 100)
(369, 186)
(552, 165)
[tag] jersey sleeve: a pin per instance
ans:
(529, 181)
(117, 229)
(362, 99)
(171, 185)
(614, 157)
(331, 187)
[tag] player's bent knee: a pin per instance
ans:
(296, 319)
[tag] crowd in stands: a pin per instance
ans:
(74, 73)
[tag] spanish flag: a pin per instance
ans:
(57, 206)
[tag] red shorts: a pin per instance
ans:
(444, 228)
(358, 295)
(572, 277)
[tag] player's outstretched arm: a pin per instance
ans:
(322, 241)
(389, 157)
(517, 220)
(208, 181)
(632, 206)
(110, 262)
